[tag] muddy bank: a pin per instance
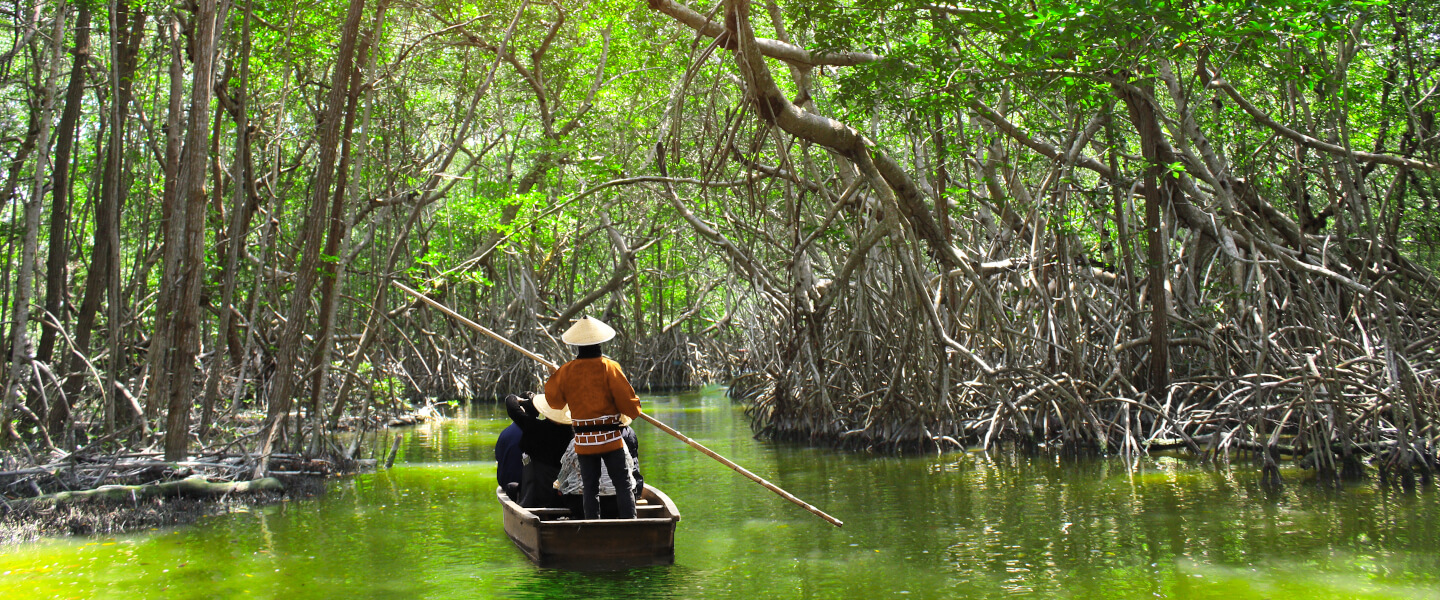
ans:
(88, 493)
(106, 495)
(22, 520)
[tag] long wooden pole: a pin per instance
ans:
(652, 420)
(742, 470)
(473, 325)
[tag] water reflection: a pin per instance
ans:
(952, 526)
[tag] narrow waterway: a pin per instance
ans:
(952, 526)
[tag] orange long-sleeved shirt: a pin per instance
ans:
(593, 388)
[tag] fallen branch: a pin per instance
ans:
(195, 486)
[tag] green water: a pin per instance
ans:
(954, 526)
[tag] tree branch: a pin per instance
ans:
(776, 49)
(1310, 142)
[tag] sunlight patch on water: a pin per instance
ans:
(1280, 579)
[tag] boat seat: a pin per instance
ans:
(653, 511)
(549, 514)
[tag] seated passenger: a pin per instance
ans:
(508, 463)
(546, 434)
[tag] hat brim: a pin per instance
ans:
(561, 416)
(588, 332)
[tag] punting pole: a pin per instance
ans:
(652, 420)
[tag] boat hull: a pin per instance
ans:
(550, 539)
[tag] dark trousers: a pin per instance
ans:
(619, 474)
(537, 486)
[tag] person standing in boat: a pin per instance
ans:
(570, 485)
(601, 403)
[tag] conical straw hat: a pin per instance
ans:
(588, 332)
(561, 416)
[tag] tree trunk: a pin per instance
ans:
(20, 356)
(240, 215)
(172, 226)
(332, 270)
(60, 198)
(1121, 218)
(310, 236)
(12, 181)
(1158, 187)
(185, 321)
(341, 222)
(105, 251)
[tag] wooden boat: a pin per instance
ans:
(552, 539)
